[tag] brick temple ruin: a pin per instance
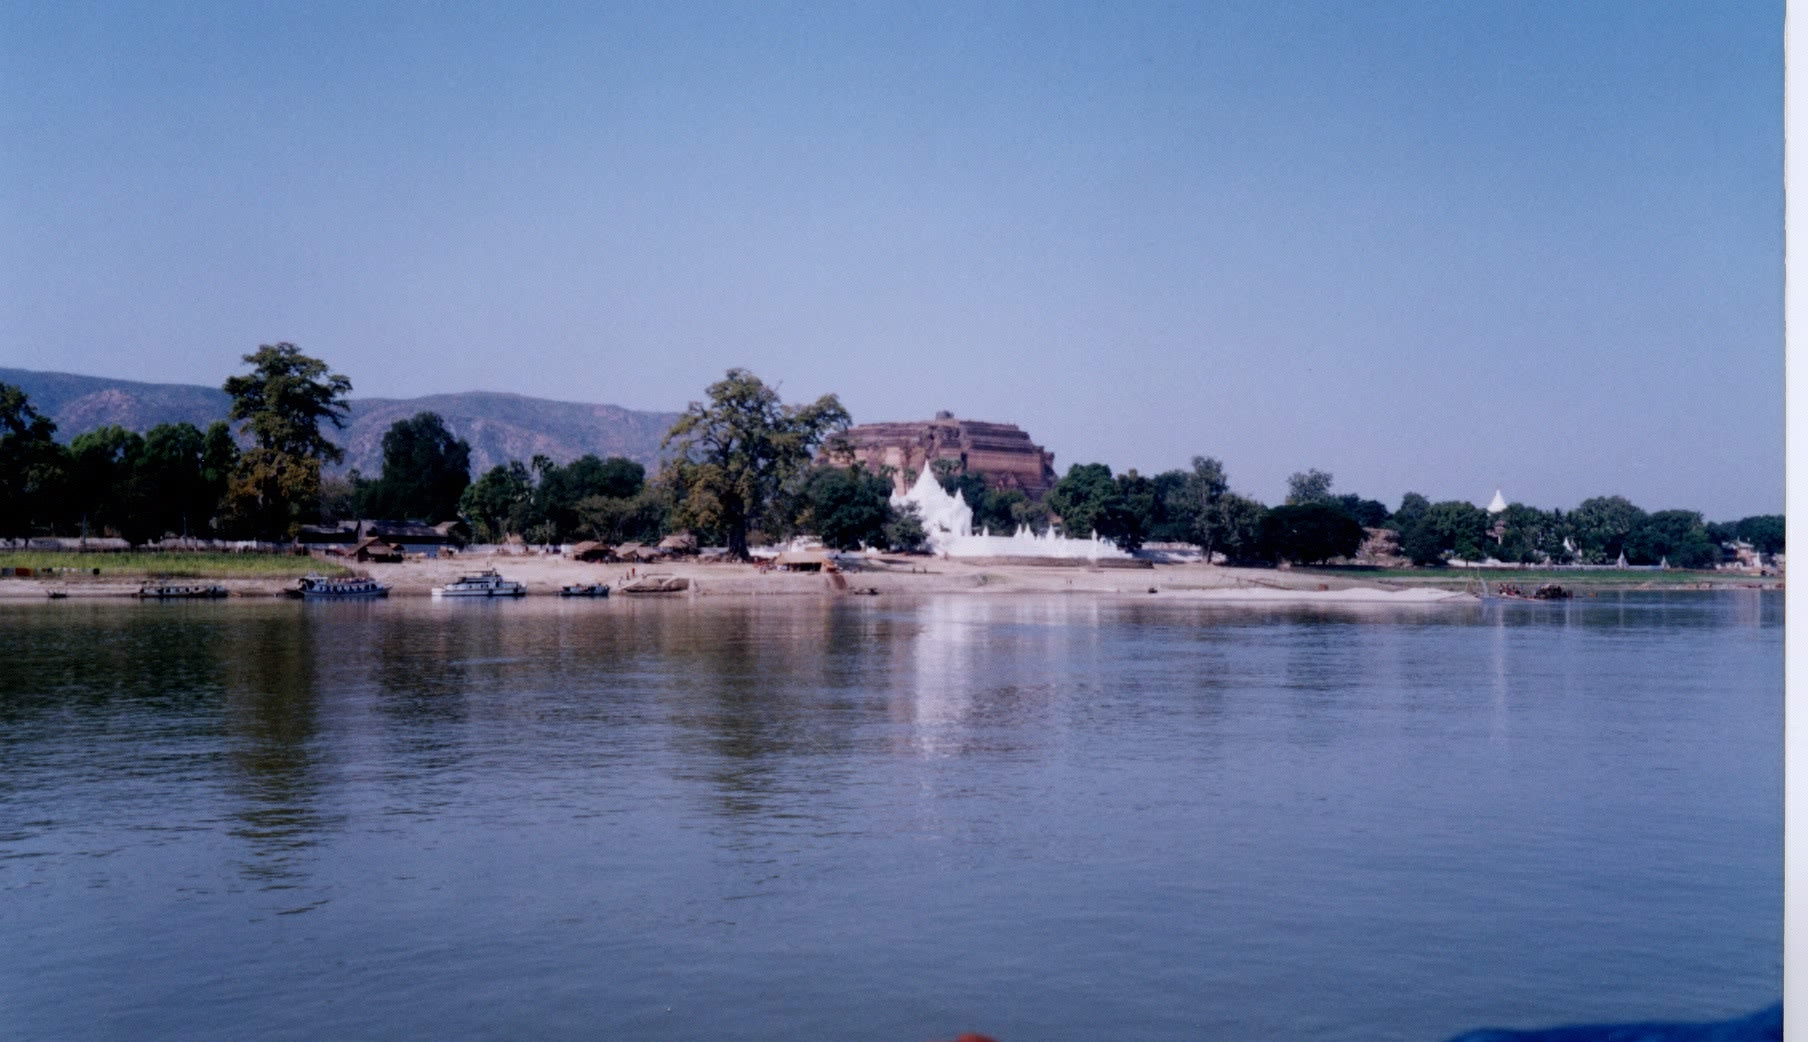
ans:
(1001, 452)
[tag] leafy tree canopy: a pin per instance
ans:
(1237, 528)
(1764, 532)
(1449, 529)
(425, 472)
(281, 404)
(498, 502)
(33, 467)
(1601, 525)
(1677, 536)
(1309, 533)
(1089, 501)
(1412, 508)
(734, 454)
(1369, 513)
(846, 507)
(284, 400)
(1313, 486)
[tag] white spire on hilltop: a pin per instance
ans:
(1497, 504)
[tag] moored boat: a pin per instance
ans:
(321, 588)
(158, 590)
(584, 590)
(657, 584)
(486, 583)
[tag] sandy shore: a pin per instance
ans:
(544, 575)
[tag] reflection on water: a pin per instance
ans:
(1047, 817)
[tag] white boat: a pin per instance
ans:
(320, 588)
(484, 584)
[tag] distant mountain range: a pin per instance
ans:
(499, 427)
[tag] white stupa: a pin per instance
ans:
(948, 521)
(1497, 504)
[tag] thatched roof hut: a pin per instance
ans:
(804, 561)
(590, 550)
(371, 548)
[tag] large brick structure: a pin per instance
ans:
(1002, 452)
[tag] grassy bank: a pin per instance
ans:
(180, 565)
(1461, 578)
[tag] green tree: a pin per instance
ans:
(497, 503)
(733, 455)
(1314, 486)
(1600, 527)
(1141, 512)
(1764, 532)
(281, 405)
(1194, 505)
(905, 531)
(1089, 502)
(1677, 536)
(104, 495)
(847, 507)
(1412, 507)
(186, 470)
(1449, 529)
(642, 517)
(1530, 536)
(1369, 513)
(1308, 533)
(1174, 513)
(425, 472)
(33, 467)
(1237, 528)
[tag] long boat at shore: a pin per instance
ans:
(486, 583)
(656, 584)
(321, 588)
(159, 590)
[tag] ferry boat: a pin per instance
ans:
(657, 584)
(320, 588)
(157, 590)
(584, 590)
(484, 584)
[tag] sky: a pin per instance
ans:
(1431, 247)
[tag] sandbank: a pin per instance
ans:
(544, 574)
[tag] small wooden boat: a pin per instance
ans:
(584, 590)
(320, 588)
(1545, 592)
(483, 584)
(656, 584)
(157, 590)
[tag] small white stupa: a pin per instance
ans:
(945, 517)
(948, 522)
(1498, 503)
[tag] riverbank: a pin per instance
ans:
(545, 575)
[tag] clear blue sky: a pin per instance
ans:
(1439, 247)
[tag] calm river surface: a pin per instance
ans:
(1042, 818)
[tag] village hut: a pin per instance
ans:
(639, 552)
(804, 561)
(371, 548)
(679, 543)
(590, 550)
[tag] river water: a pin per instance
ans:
(888, 819)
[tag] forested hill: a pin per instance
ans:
(500, 427)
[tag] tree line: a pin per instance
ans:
(740, 467)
